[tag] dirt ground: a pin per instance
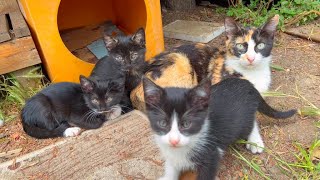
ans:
(299, 58)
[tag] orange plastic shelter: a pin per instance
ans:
(47, 17)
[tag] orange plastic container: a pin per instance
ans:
(47, 17)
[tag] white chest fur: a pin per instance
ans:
(259, 75)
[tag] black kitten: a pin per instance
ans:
(53, 111)
(129, 51)
(193, 127)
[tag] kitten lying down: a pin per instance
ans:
(193, 127)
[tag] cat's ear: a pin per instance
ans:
(271, 26)
(139, 37)
(152, 92)
(110, 42)
(231, 27)
(199, 96)
(86, 84)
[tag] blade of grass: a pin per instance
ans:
(277, 67)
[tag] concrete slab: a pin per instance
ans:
(195, 31)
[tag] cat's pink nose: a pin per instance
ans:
(250, 59)
(174, 142)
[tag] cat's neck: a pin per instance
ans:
(183, 156)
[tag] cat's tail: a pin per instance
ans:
(266, 109)
(41, 133)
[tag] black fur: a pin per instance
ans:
(129, 51)
(59, 106)
(230, 107)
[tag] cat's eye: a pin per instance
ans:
(109, 99)
(133, 55)
(118, 58)
(185, 124)
(162, 123)
(240, 46)
(261, 45)
(94, 101)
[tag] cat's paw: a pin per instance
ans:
(255, 145)
(116, 112)
(73, 131)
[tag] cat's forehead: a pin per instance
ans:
(245, 35)
(125, 44)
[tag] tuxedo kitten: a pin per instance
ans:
(129, 51)
(62, 109)
(193, 127)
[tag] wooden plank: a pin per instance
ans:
(7, 6)
(19, 25)
(4, 29)
(123, 148)
(18, 54)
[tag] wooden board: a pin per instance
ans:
(18, 54)
(7, 6)
(4, 29)
(19, 25)
(121, 149)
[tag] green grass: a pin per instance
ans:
(13, 95)
(292, 12)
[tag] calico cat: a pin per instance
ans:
(193, 127)
(129, 51)
(62, 109)
(247, 55)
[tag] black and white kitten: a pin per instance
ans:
(193, 127)
(129, 51)
(62, 109)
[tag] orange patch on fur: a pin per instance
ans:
(188, 175)
(248, 36)
(176, 75)
(200, 46)
(217, 69)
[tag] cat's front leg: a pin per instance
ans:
(255, 142)
(208, 170)
(115, 112)
(170, 172)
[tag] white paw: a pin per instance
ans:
(255, 145)
(116, 112)
(70, 132)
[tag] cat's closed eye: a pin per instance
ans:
(163, 123)
(133, 55)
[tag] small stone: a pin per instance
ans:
(1, 122)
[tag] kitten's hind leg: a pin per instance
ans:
(255, 142)
(170, 172)
(72, 131)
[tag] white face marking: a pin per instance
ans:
(174, 138)
(70, 132)
(256, 140)
(251, 58)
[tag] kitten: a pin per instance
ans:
(62, 109)
(129, 51)
(247, 55)
(193, 127)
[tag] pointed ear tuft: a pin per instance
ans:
(199, 96)
(110, 42)
(231, 27)
(152, 92)
(271, 26)
(86, 84)
(139, 37)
